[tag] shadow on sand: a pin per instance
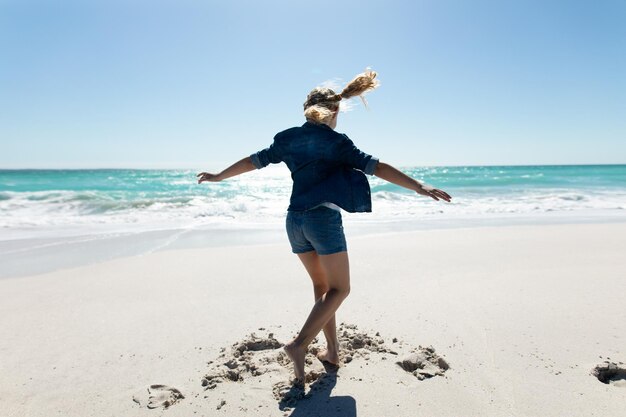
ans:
(318, 401)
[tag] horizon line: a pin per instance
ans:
(399, 165)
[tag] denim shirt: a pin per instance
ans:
(326, 167)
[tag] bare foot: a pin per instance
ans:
(329, 356)
(296, 354)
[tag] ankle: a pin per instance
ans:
(295, 344)
(332, 345)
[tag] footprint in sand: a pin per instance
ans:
(424, 363)
(288, 394)
(610, 373)
(252, 357)
(257, 355)
(163, 396)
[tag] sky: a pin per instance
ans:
(202, 84)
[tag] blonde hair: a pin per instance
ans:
(322, 103)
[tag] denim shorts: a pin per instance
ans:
(319, 229)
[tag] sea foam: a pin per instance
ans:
(92, 201)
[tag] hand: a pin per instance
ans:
(205, 176)
(434, 193)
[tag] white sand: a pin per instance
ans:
(522, 314)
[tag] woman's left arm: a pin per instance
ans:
(238, 168)
(395, 176)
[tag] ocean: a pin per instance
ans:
(72, 202)
(55, 219)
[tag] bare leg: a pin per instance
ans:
(311, 262)
(337, 270)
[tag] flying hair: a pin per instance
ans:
(322, 102)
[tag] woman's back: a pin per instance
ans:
(322, 164)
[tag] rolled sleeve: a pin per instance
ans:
(352, 156)
(371, 165)
(256, 161)
(265, 157)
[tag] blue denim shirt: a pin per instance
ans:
(325, 166)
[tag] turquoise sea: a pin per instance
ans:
(76, 201)
(66, 218)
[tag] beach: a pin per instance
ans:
(156, 155)
(518, 314)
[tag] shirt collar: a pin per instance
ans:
(316, 125)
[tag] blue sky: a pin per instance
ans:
(200, 84)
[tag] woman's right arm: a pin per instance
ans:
(238, 168)
(395, 176)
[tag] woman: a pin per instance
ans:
(328, 173)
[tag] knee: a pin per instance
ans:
(342, 292)
(347, 291)
(320, 289)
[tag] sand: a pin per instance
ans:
(494, 321)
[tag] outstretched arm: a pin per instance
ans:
(240, 167)
(395, 176)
